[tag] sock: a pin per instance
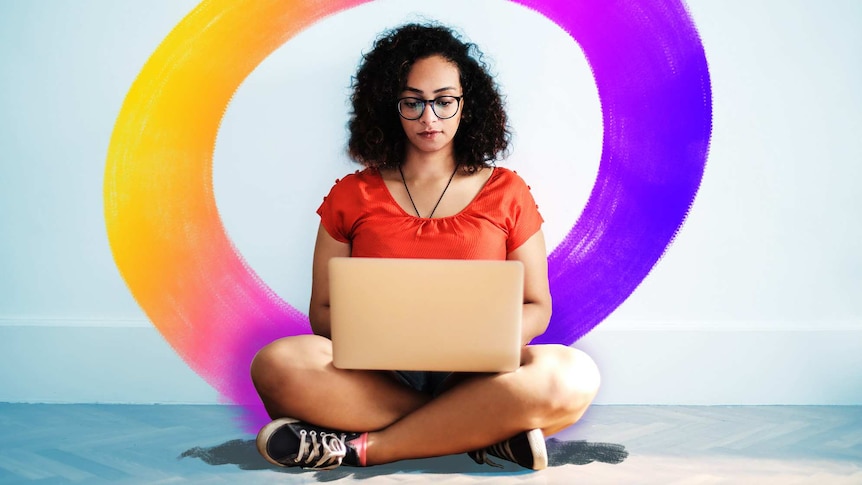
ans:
(359, 445)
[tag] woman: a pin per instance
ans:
(428, 125)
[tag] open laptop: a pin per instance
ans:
(426, 314)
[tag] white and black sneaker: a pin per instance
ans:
(526, 449)
(290, 442)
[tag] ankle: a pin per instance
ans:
(374, 450)
(360, 446)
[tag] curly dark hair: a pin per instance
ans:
(376, 136)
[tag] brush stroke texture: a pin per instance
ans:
(171, 247)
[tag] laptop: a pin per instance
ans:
(426, 314)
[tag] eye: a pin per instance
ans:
(444, 102)
(411, 103)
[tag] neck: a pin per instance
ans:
(419, 165)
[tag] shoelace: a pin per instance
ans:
(501, 450)
(331, 450)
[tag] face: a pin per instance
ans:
(430, 78)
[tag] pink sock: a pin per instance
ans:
(359, 444)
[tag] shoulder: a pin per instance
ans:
(346, 200)
(508, 180)
(354, 182)
(508, 189)
(507, 175)
(359, 177)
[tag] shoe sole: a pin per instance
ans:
(266, 433)
(536, 439)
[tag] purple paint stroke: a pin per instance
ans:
(653, 83)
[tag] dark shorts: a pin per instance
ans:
(431, 383)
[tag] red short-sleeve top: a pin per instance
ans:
(361, 211)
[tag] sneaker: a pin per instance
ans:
(526, 449)
(290, 442)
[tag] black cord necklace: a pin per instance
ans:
(438, 200)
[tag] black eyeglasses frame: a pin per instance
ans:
(425, 103)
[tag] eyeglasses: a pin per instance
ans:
(443, 107)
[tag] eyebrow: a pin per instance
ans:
(419, 91)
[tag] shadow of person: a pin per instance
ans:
(243, 454)
(583, 452)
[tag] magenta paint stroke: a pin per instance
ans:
(653, 83)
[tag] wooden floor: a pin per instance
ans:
(93, 444)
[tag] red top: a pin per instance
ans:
(360, 210)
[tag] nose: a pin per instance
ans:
(428, 115)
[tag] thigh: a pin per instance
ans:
(295, 378)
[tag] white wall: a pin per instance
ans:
(757, 301)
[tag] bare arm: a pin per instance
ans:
(325, 249)
(537, 294)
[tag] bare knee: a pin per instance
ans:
(284, 364)
(571, 381)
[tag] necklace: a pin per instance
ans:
(438, 200)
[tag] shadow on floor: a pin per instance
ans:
(243, 454)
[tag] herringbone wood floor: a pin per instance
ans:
(56, 444)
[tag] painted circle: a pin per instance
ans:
(171, 247)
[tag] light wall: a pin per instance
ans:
(756, 302)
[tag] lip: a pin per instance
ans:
(429, 133)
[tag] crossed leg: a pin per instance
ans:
(551, 390)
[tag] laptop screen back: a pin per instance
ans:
(424, 314)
